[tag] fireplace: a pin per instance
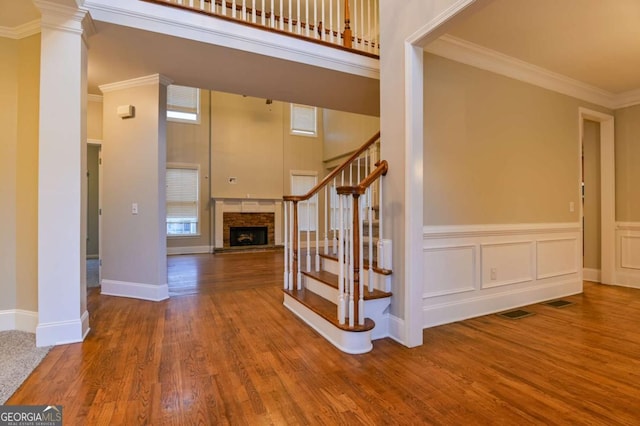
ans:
(248, 229)
(248, 236)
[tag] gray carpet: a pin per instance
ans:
(19, 356)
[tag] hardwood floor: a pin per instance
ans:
(230, 353)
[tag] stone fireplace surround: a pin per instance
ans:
(233, 212)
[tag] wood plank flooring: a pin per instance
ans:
(227, 352)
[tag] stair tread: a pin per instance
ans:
(332, 280)
(381, 271)
(326, 310)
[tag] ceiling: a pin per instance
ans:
(593, 41)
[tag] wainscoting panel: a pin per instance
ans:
(628, 254)
(556, 257)
(481, 269)
(449, 270)
(506, 263)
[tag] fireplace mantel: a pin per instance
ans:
(245, 205)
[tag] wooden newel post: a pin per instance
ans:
(346, 35)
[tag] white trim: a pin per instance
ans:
(490, 60)
(607, 190)
(75, 20)
(18, 319)
(61, 332)
(21, 31)
(84, 321)
(136, 82)
(188, 249)
(433, 28)
(460, 231)
(589, 274)
(472, 54)
(94, 98)
(485, 304)
(628, 226)
(185, 24)
(154, 293)
(397, 330)
(347, 341)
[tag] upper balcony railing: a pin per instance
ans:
(350, 24)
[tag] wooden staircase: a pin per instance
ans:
(342, 295)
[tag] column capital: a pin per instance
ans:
(59, 15)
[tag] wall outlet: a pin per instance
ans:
(134, 208)
(494, 274)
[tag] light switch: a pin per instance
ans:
(572, 207)
(134, 208)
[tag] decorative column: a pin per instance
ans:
(62, 307)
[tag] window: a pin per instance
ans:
(182, 199)
(183, 104)
(303, 120)
(301, 183)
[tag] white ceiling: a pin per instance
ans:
(593, 41)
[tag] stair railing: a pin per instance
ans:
(348, 173)
(318, 20)
(358, 197)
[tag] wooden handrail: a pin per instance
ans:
(313, 191)
(381, 170)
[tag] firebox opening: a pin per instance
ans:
(248, 236)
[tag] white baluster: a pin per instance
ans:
(334, 219)
(253, 11)
(286, 247)
(341, 301)
(299, 276)
(290, 207)
(370, 217)
(361, 24)
(263, 15)
(323, 20)
(330, 21)
(233, 9)
(306, 17)
(369, 35)
(361, 263)
(281, 24)
(298, 23)
(308, 236)
(273, 14)
(317, 222)
(338, 22)
(381, 261)
(223, 7)
(326, 223)
(351, 301)
(315, 18)
(290, 17)
(354, 23)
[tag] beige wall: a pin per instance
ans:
(93, 205)
(345, 132)
(94, 120)
(8, 163)
(189, 143)
(133, 161)
(591, 167)
(627, 137)
(27, 173)
(246, 143)
(496, 150)
(19, 95)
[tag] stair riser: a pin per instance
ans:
(374, 308)
(380, 282)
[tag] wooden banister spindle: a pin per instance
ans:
(346, 35)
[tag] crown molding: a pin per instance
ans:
(135, 82)
(94, 98)
(21, 31)
(65, 18)
(468, 53)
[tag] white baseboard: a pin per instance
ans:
(397, 331)
(589, 274)
(18, 319)
(189, 250)
(60, 333)
(154, 293)
(445, 313)
(628, 278)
